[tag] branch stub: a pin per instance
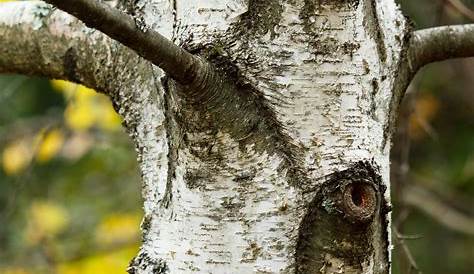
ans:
(358, 201)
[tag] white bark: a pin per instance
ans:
(232, 207)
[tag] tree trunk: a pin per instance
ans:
(293, 175)
(270, 154)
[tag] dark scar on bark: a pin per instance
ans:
(143, 261)
(342, 220)
(70, 65)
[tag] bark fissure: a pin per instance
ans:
(371, 21)
(172, 135)
(261, 17)
(244, 114)
(70, 65)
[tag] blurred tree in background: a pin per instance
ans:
(69, 184)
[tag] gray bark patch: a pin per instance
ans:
(262, 16)
(70, 64)
(143, 263)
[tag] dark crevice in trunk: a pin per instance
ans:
(172, 136)
(371, 23)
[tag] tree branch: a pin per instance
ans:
(440, 43)
(38, 41)
(427, 46)
(462, 9)
(201, 84)
(179, 64)
(400, 239)
(437, 209)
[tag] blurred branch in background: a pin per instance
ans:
(400, 169)
(400, 242)
(461, 8)
(438, 209)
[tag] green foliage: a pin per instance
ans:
(69, 190)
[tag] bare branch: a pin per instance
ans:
(400, 239)
(182, 66)
(462, 9)
(201, 83)
(437, 209)
(427, 46)
(439, 44)
(38, 41)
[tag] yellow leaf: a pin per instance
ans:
(79, 116)
(64, 86)
(88, 108)
(13, 270)
(84, 94)
(16, 157)
(46, 220)
(108, 119)
(118, 228)
(50, 144)
(110, 262)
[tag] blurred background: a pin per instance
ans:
(70, 188)
(433, 157)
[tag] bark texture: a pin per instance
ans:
(289, 173)
(282, 164)
(37, 41)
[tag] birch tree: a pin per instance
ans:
(262, 128)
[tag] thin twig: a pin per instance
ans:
(410, 237)
(399, 239)
(401, 168)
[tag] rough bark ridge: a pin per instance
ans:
(283, 167)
